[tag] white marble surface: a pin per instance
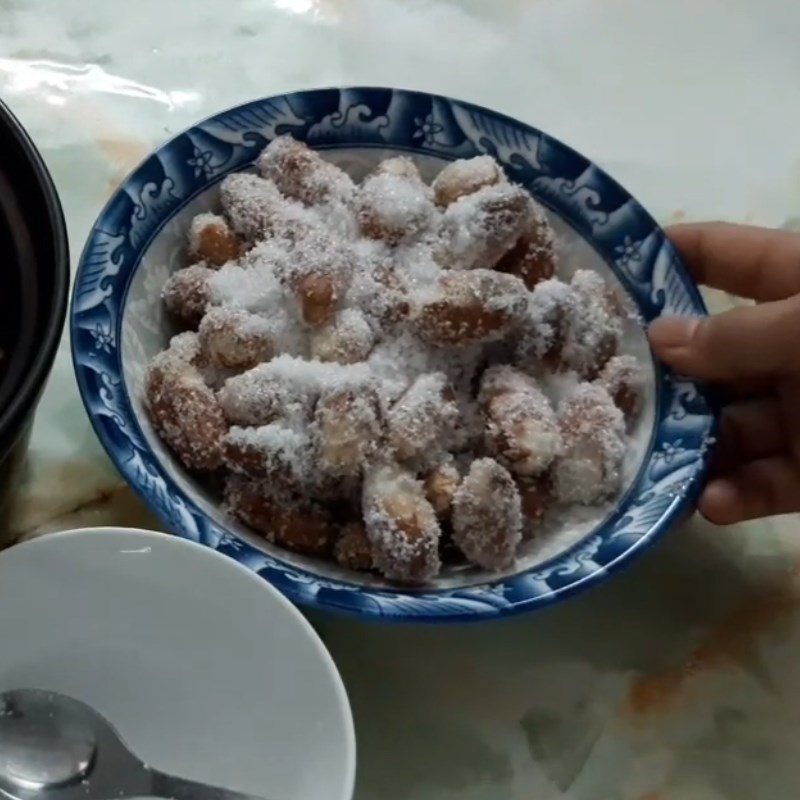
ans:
(677, 680)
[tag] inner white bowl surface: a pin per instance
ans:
(206, 671)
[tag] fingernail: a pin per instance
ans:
(672, 332)
(721, 502)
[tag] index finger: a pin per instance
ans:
(759, 263)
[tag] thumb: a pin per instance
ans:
(746, 342)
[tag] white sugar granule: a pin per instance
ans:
(468, 307)
(522, 430)
(257, 397)
(316, 376)
(558, 386)
(370, 253)
(185, 294)
(327, 191)
(287, 333)
(183, 409)
(339, 218)
(269, 255)
(234, 333)
(539, 234)
(396, 362)
(233, 337)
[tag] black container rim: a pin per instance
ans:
(13, 415)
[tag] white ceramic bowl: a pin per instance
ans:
(206, 670)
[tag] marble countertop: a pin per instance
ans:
(676, 680)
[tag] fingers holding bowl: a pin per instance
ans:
(762, 264)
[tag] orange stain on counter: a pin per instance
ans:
(120, 151)
(732, 641)
(123, 154)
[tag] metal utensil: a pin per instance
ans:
(56, 746)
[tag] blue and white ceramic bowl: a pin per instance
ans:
(118, 325)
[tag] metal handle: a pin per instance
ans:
(173, 788)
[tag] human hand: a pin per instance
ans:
(753, 351)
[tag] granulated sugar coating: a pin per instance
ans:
(464, 308)
(394, 207)
(235, 339)
(275, 451)
(253, 207)
(533, 257)
(364, 364)
(287, 388)
(282, 518)
(302, 174)
(522, 431)
(348, 430)
(541, 331)
(478, 229)
(441, 484)
(465, 177)
(347, 339)
(424, 420)
(487, 515)
(186, 294)
(624, 380)
(593, 428)
(211, 240)
(593, 326)
(401, 525)
(185, 412)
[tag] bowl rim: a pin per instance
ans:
(299, 620)
(413, 604)
(12, 417)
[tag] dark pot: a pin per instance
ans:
(34, 282)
